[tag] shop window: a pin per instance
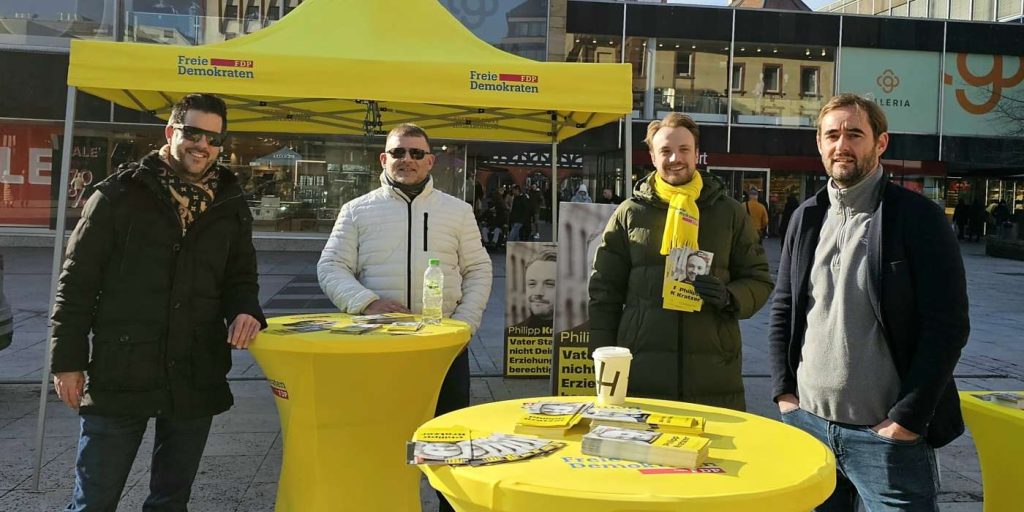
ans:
(788, 85)
(809, 82)
(684, 64)
(739, 70)
(690, 76)
(771, 76)
(592, 48)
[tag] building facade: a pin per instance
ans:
(1003, 11)
(753, 79)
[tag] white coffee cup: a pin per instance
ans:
(611, 371)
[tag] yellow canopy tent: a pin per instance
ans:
(352, 67)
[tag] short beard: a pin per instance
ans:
(862, 169)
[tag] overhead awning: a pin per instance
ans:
(358, 66)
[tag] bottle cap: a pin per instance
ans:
(433, 262)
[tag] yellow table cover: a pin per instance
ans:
(348, 404)
(756, 464)
(997, 431)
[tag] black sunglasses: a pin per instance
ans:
(196, 134)
(415, 154)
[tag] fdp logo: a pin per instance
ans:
(888, 81)
(992, 82)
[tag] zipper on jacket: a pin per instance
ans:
(206, 214)
(124, 253)
(408, 255)
(425, 216)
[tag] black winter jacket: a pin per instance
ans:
(919, 295)
(156, 303)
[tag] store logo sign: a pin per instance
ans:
(217, 68)
(888, 81)
(503, 82)
(993, 82)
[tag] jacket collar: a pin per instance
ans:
(714, 189)
(144, 173)
(860, 198)
(397, 192)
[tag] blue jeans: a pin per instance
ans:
(513, 235)
(107, 448)
(886, 474)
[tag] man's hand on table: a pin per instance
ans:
(380, 306)
(242, 331)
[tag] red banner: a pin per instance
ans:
(26, 165)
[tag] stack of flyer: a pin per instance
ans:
(683, 451)
(630, 417)
(458, 446)
(550, 419)
(383, 318)
(392, 323)
(1008, 398)
(301, 326)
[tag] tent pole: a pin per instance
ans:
(554, 191)
(61, 181)
(628, 157)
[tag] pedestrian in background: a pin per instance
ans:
(757, 212)
(6, 317)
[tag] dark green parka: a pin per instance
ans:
(155, 302)
(692, 357)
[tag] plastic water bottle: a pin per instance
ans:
(433, 292)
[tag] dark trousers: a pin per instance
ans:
(454, 395)
(107, 448)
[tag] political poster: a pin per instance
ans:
(530, 277)
(580, 226)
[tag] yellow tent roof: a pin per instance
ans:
(339, 66)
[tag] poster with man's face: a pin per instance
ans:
(580, 230)
(531, 272)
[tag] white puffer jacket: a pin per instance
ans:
(381, 244)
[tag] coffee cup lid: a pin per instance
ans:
(612, 352)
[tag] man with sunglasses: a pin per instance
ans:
(161, 272)
(381, 243)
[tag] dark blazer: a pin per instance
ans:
(155, 302)
(919, 295)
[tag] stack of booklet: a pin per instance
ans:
(383, 318)
(458, 446)
(683, 451)
(1009, 398)
(550, 419)
(630, 417)
(392, 323)
(301, 326)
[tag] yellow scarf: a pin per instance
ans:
(683, 215)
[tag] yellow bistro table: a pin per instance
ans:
(348, 404)
(997, 431)
(756, 464)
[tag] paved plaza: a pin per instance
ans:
(240, 468)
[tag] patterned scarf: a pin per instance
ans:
(683, 219)
(190, 198)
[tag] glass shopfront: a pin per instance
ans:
(292, 184)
